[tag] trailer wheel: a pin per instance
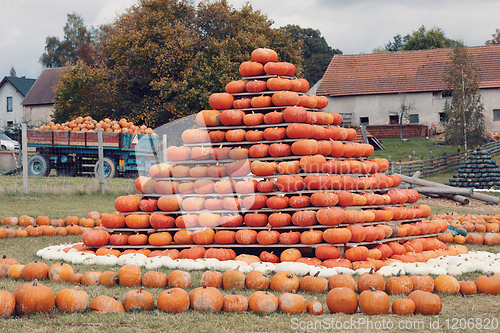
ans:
(39, 166)
(109, 168)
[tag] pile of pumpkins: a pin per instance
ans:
(471, 229)
(373, 290)
(86, 124)
(266, 159)
(45, 226)
(478, 171)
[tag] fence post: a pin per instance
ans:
(100, 162)
(391, 170)
(422, 165)
(445, 157)
(24, 152)
(164, 148)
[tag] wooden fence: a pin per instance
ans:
(436, 165)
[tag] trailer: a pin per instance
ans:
(74, 153)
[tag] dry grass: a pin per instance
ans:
(455, 307)
(79, 196)
(54, 185)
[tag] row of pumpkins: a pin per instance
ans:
(35, 297)
(209, 236)
(45, 226)
(341, 296)
(88, 124)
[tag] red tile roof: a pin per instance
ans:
(42, 92)
(407, 71)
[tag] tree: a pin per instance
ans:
(316, 53)
(496, 38)
(423, 39)
(76, 44)
(403, 112)
(12, 72)
(397, 43)
(162, 59)
(464, 112)
(85, 90)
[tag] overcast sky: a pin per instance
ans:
(353, 26)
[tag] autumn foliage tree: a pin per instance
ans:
(464, 112)
(495, 40)
(420, 39)
(77, 44)
(162, 59)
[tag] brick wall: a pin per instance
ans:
(392, 131)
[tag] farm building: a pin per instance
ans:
(370, 88)
(38, 104)
(13, 90)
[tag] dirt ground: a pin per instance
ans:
(479, 206)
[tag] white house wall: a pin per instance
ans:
(16, 116)
(37, 115)
(427, 105)
(491, 101)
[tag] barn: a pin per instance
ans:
(369, 89)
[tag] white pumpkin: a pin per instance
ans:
(297, 268)
(107, 260)
(328, 272)
(191, 265)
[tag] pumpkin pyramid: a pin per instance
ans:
(267, 168)
(478, 171)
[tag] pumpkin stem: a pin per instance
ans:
(233, 292)
(399, 273)
(371, 271)
(372, 289)
(488, 274)
(35, 283)
(289, 275)
(316, 274)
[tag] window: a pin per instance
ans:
(496, 114)
(364, 121)
(9, 104)
(394, 119)
(413, 118)
(442, 116)
(10, 123)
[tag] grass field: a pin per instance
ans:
(418, 147)
(59, 197)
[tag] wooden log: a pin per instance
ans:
(474, 195)
(444, 190)
(458, 198)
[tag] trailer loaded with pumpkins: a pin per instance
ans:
(72, 151)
